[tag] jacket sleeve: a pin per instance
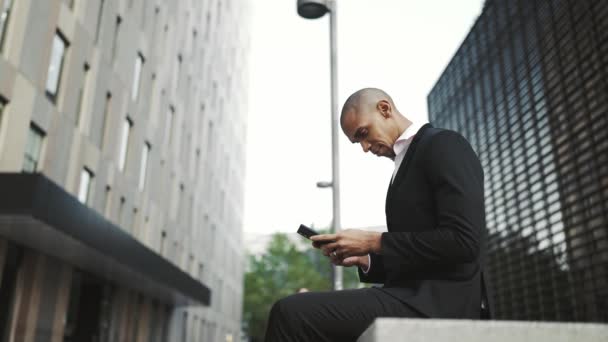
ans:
(456, 178)
(376, 273)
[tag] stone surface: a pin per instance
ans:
(423, 330)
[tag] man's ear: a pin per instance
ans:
(384, 107)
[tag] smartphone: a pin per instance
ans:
(306, 232)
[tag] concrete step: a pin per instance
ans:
(438, 330)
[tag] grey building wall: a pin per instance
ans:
(195, 69)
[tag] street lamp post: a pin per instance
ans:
(313, 9)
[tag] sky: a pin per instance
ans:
(400, 46)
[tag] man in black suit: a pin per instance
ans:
(430, 260)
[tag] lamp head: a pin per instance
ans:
(312, 9)
(324, 184)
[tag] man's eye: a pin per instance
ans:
(361, 134)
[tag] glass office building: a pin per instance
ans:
(528, 87)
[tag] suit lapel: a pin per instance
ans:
(406, 159)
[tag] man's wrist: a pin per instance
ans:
(375, 242)
(364, 263)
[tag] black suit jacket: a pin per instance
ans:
(432, 255)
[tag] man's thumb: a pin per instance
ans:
(350, 261)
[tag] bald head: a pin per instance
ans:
(369, 118)
(363, 101)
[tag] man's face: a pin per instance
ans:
(372, 130)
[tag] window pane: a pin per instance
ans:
(54, 71)
(209, 142)
(124, 142)
(12, 264)
(2, 104)
(36, 143)
(4, 15)
(81, 93)
(32, 149)
(115, 41)
(29, 165)
(29, 145)
(144, 166)
(85, 181)
(71, 316)
(99, 16)
(169, 125)
(104, 120)
(139, 61)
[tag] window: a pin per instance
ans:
(222, 203)
(124, 143)
(209, 141)
(219, 13)
(169, 125)
(82, 93)
(179, 70)
(203, 328)
(144, 165)
(115, 40)
(106, 112)
(2, 105)
(4, 16)
(107, 201)
(139, 62)
(194, 45)
(9, 273)
(121, 208)
(212, 240)
(86, 176)
(197, 162)
(156, 11)
(106, 312)
(179, 207)
(153, 83)
(163, 238)
(86, 292)
(136, 318)
(32, 149)
(175, 253)
(207, 24)
(185, 327)
(133, 223)
(144, 9)
(71, 316)
(220, 292)
(55, 66)
(99, 17)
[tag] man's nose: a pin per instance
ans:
(365, 145)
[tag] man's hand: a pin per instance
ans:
(360, 261)
(347, 243)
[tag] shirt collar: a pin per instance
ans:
(405, 138)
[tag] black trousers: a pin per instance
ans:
(331, 316)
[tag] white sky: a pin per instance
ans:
(401, 46)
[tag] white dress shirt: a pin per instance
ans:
(400, 148)
(403, 143)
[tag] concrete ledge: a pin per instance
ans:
(437, 330)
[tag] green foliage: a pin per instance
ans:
(285, 268)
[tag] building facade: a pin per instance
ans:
(122, 141)
(529, 88)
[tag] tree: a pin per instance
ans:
(285, 268)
